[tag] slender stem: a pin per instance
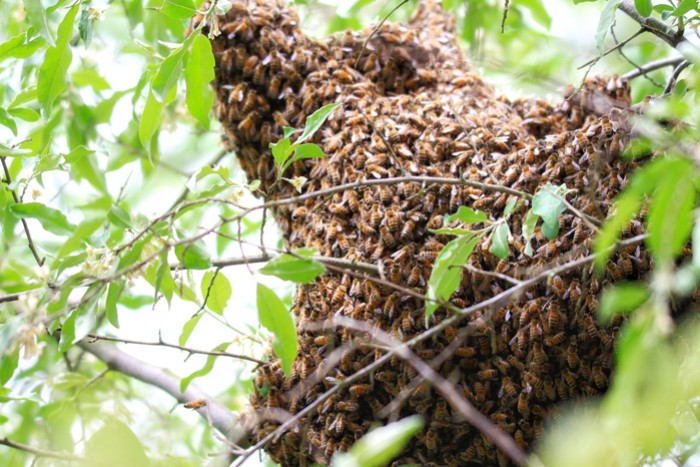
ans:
(39, 452)
(652, 66)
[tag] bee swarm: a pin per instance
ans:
(411, 106)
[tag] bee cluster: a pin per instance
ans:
(411, 106)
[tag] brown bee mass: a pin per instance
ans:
(412, 106)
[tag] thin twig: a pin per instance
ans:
(674, 76)
(183, 194)
(504, 17)
(376, 29)
(633, 63)
(32, 247)
(495, 274)
(651, 66)
(53, 454)
(593, 61)
(160, 343)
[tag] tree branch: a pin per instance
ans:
(222, 419)
(652, 66)
(50, 454)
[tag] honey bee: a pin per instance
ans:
(407, 322)
(599, 377)
(555, 340)
(387, 237)
(508, 387)
(299, 212)
(538, 353)
(338, 295)
(250, 65)
(321, 340)
(523, 406)
(479, 392)
(248, 124)
(468, 454)
(390, 305)
(557, 285)
(431, 438)
(407, 230)
(359, 390)
(572, 359)
(488, 374)
(196, 404)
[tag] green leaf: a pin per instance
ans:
(169, 71)
(304, 151)
(116, 441)
(8, 47)
(164, 279)
(281, 150)
(550, 231)
(179, 9)
(51, 80)
(7, 121)
(499, 241)
(538, 11)
(378, 447)
(447, 271)
(621, 298)
(670, 219)
(7, 151)
(79, 324)
(89, 77)
(8, 365)
(113, 293)
(684, 7)
(273, 314)
(85, 27)
(206, 369)
(24, 113)
(216, 288)
(199, 72)
(38, 19)
(607, 18)
(449, 231)
(315, 120)
(51, 219)
(119, 217)
(467, 215)
(193, 256)
(644, 7)
(291, 268)
(548, 205)
(188, 328)
(152, 117)
(84, 230)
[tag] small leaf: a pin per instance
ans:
(291, 268)
(529, 230)
(79, 324)
(447, 271)
(315, 120)
(273, 314)
(538, 11)
(607, 18)
(119, 217)
(548, 205)
(24, 113)
(113, 293)
(169, 71)
(378, 447)
(281, 150)
(206, 369)
(85, 27)
(51, 219)
(179, 9)
(684, 7)
(216, 288)
(193, 256)
(7, 151)
(510, 206)
(7, 121)
(499, 241)
(467, 215)
(620, 299)
(449, 231)
(188, 328)
(37, 16)
(199, 72)
(116, 441)
(8, 365)
(164, 279)
(83, 231)
(51, 80)
(304, 151)
(644, 7)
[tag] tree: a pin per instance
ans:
(73, 266)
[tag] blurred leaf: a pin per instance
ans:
(179, 9)
(89, 77)
(51, 219)
(37, 17)
(621, 298)
(164, 280)
(447, 271)
(684, 7)
(538, 11)
(315, 120)
(79, 324)
(8, 365)
(290, 268)
(79, 234)
(199, 72)
(529, 230)
(113, 293)
(188, 328)
(115, 440)
(193, 255)
(304, 151)
(274, 315)
(7, 151)
(548, 205)
(85, 27)
(152, 116)
(24, 113)
(670, 219)
(169, 71)
(378, 447)
(218, 288)
(499, 241)
(119, 217)
(7, 121)
(51, 80)
(467, 215)
(607, 18)
(644, 7)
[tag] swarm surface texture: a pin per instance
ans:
(411, 106)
